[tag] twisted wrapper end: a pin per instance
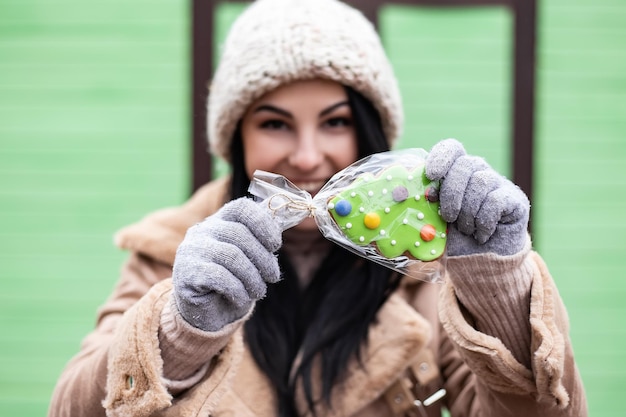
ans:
(290, 204)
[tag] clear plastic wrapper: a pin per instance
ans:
(382, 208)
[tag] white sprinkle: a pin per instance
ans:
(405, 221)
(352, 194)
(348, 225)
(384, 191)
(362, 209)
(331, 206)
(439, 212)
(420, 215)
(393, 243)
(387, 209)
(410, 177)
(432, 251)
(382, 232)
(417, 197)
(417, 244)
(389, 177)
(370, 193)
(443, 235)
(361, 239)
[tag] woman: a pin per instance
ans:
(303, 90)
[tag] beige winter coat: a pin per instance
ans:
(422, 341)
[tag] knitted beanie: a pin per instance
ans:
(275, 42)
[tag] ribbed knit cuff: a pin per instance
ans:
(495, 290)
(186, 350)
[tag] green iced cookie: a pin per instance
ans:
(398, 211)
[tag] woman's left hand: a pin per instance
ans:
(485, 211)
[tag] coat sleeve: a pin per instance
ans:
(118, 369)
(81, 387)
(484, 377)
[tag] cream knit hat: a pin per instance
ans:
(275, 42)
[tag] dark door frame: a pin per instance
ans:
(523, 89)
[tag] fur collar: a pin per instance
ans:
(159, 233)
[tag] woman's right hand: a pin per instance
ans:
(224, 264)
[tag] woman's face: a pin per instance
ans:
(303, 131)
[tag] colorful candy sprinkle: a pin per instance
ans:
(371, 220)
(400, 193)
(343, 207)
(428, 233)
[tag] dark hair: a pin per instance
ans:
(331, 317)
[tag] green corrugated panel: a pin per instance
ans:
(454, 70)
(93, 134)
(580, 183)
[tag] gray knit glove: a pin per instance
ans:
(486, 212)
(224, 264)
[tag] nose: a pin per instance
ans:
(308, 153)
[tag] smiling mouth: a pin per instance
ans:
(311, 187)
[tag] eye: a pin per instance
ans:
(339, 122)
(274, 124)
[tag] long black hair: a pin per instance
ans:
(330, 318)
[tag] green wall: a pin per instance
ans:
(93, 134)
(580, 183)
(454, 71)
